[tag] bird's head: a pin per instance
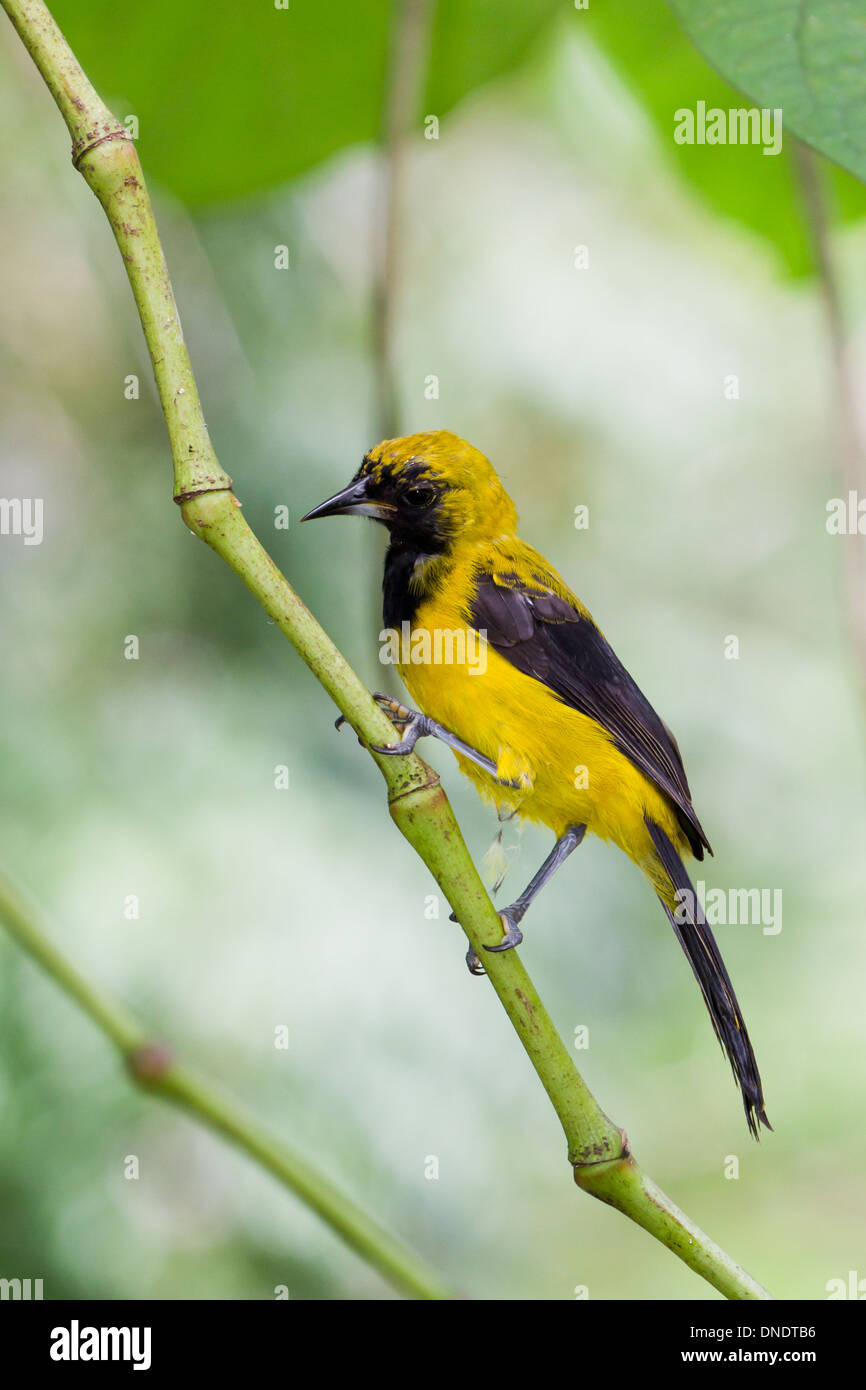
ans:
(427, 489)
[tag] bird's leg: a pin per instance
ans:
(512, 916)
(416, 725)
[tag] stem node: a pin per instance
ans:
(80, 149)
(149, 1063)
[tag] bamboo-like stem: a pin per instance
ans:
(597, 1148)
(153, 1067)
(411, 23)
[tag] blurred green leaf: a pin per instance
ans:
(269, 93)
(667, 73)
(805, 56)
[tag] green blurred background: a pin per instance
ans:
(302, 907)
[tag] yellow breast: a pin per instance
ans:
(569, 769)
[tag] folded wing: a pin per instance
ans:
(549, 637)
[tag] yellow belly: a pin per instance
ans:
(571, 773)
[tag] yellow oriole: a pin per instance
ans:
(510, 670)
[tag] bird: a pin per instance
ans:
(509, 669)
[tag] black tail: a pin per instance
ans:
(698, 942)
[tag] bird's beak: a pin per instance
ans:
(352, 501)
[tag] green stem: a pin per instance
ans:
(597, 1148)
(152, 1066)
(19, 919)
(405, 80)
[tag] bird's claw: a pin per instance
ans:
(400, 714)
(513, 935)
(406, 744)
(475, 966)
(338, 724)
(413, 724)
(409, 720)
(402, 718)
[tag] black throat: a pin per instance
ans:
(399, 602)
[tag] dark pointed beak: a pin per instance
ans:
(352, 501)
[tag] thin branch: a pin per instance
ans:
(850, 437)
(409, 32)
(153, 1067)
(597, 1149)
(410, 28)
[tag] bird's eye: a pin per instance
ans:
(421, 496)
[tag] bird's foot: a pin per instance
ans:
(416, 725)
(513, 935)
(411, 722)
(399, 715)
(474, 964)
(472, 961)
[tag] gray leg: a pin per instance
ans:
(416, 725)
(512, 916)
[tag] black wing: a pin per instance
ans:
(543, 635)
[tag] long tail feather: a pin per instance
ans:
(699, 944)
